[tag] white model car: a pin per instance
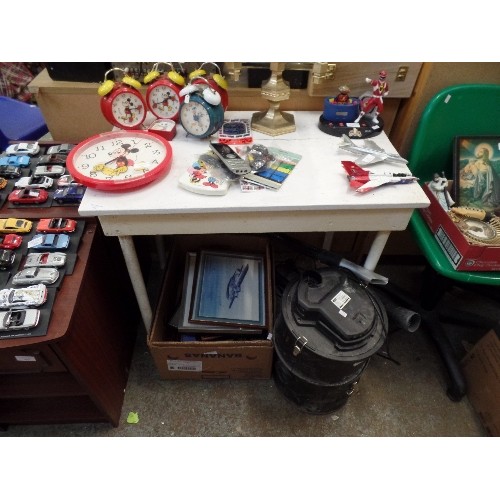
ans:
(19, 319)
(42, 182)
(23, 148)
(30, 296)
(45, 259)
(62, 149)
(50, 170)
(35, 275)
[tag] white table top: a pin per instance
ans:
(318, 184)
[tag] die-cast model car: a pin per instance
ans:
(67, 180)
(7, 258)
(52, 160)
(10, 172)
(56, 225)
(10, 241)
(70, 194)
(34, 275)
(30, 296)
(45, 259)
(41, 182)
(49, 170)
(12, 225)
(19, 319)
(14, 161)
(23, 148)
(62, 149)
(49, 242)
(28, 195)
(3, 182)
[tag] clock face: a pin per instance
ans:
(195, 118)
(120, 160)
(128, 109)
(163, 101)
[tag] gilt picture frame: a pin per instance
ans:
(230, 289)
(477, 172)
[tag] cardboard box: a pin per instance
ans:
(463, 256)
(196, 360)
(481, 367)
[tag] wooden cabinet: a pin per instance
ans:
(79, 370)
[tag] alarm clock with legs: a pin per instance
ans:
(121, 102)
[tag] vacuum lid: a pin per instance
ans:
(337, 306)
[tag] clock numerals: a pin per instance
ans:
(120, 160)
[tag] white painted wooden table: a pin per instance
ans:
(316, 197)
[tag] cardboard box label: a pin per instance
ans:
(450, 250)
(175, 365)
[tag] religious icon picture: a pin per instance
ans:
(477, 172)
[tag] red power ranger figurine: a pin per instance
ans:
(375, 104)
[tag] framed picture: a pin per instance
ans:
(229, 289)
(477, 172)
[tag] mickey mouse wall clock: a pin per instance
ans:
(163, 96)
(121, 102)
(120, 160)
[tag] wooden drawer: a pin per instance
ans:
(30, 360)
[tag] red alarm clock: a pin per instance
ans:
(216, 81)
(121, 102)
(163, 96)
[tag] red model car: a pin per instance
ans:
(56, 225)
(10, 241)
(28, 195)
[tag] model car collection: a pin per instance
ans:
(34, 275)
(28, 195)
(10, 241)
(56, 225)
(49, 242)
(12, 225)
(30, 275)
(45, 259)
(31, 296)
(19, 319)
(41, 182)
(23, 148)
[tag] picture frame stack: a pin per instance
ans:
(224, 295)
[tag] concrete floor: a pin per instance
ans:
(401, 398)
(291, 454)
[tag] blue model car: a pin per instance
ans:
(48, 242)
(70, 194)
(14, 161)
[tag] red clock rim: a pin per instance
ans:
(123, 184)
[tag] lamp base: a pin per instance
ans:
(273, 122)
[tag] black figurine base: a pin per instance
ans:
(365, 128)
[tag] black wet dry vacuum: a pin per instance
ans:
(328, 328)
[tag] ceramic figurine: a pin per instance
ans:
(439, 188)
